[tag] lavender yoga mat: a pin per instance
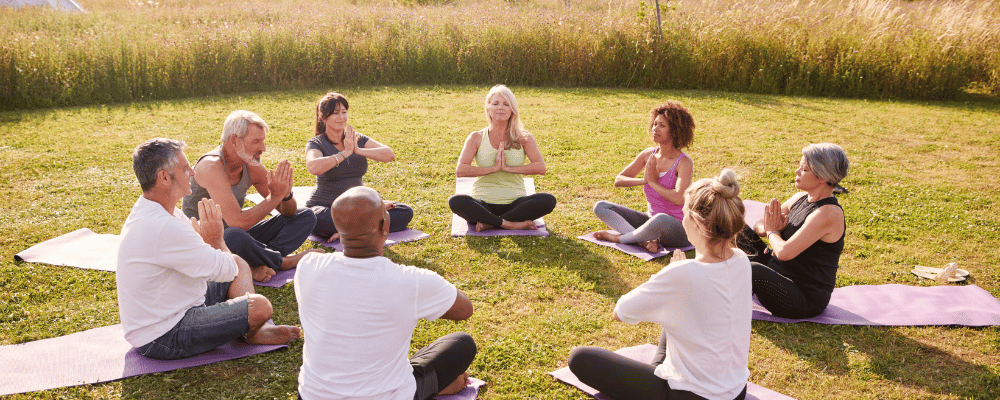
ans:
(301, 193)
(96, 355)
(645, 353)
(902, 305)
(754, 211)
(280, 278)
(403, 236)
(470, 392)
(461, 227)
(81, 248)
(631, 249)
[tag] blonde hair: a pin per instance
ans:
(515, 131)
(715, 205)
(237, 123)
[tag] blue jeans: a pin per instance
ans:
(268, 242)
(204, 327)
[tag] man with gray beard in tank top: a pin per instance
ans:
(224, 175)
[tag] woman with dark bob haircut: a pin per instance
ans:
(338, 156)
(664, 173)
(703, 306)
(794, 276)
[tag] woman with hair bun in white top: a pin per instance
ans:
(703, 305)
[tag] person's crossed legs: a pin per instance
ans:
(440, 368)
(267, 245)
(231, 310)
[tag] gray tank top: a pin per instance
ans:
(190, 203)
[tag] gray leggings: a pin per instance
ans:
(638, 227)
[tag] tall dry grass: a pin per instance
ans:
(154, 50)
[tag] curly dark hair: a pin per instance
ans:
(679, 120)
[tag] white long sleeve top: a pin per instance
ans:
(162, 271)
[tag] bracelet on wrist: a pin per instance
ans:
(289, 197)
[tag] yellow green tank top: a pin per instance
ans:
(500, 187)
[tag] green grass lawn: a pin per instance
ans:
(923, 190)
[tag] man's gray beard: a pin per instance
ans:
(241, 152)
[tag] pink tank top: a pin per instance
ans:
(657, 204)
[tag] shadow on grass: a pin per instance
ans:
(882, 353)
(552, 253)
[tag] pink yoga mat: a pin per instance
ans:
(81, 248)
(403, 236)
(96, 355)
(631, 249)
(902, 305)
(645, 353)
(461, 227)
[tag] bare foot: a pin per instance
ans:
(482, 227)
(607, 236)
(262, 273)
(275, 334)
(652, 246)
(519, 226)
(291, 261)
(460, 383)
(334, 237)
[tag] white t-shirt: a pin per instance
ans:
(163, 269)
(705, 310)
(358, 316)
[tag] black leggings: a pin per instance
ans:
(525, 208)
(622, 378)
(776, 292)
(400, 216)
(438, 364)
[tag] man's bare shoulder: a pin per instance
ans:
(209, 163)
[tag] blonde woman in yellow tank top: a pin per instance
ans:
(498, 198)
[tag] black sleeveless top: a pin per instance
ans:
(814, 270)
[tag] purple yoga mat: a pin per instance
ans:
(461, 227)
(754, 211)
(902, 305)
(631, 249)
(470, 392)
(403, 236)
(85, 249)
(81, 248)
(645, 353)
(280, 278)
(96, 355)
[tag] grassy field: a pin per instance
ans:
(923, 190)
(125, 51)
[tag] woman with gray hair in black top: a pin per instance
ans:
(795, 276)
(338, 156)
